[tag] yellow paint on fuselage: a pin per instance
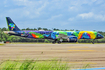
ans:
(91, 33)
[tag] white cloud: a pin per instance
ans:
(30, 8)
(91, 15)
(64, 23)
(55, 17)
(71, 19)
(100, 17)
(99, 1)
(86, 15)
(71, 7)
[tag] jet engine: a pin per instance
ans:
(72, 39)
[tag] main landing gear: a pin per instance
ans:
(59, 42)
(54, 41)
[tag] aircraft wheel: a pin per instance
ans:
(92, 42)
(76, 41)
(53, 42)
(59, 42)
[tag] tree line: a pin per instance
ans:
(10, 38)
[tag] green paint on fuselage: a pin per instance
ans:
(37, 34)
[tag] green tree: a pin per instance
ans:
(45, 29)
(35, 29)
(39, 28)
(4, 29)
(27, 28)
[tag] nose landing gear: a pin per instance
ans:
(93, 41)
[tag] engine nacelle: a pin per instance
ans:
(72, 39)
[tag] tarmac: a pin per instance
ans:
(76, 55)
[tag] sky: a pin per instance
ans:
(87, 15)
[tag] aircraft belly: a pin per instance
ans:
(65, 37)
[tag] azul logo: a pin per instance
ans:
(12, 26)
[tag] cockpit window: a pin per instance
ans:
(99, 35)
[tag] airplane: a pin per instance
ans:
(56, 36)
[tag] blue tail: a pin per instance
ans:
(11, 25)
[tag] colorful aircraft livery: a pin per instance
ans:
(57, 36)
(12, 26)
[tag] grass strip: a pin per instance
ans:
(33, 65)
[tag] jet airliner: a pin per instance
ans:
(56, 36)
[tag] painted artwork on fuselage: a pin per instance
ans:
(87, 35)
(54, 34)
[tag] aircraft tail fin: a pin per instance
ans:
(11, 25)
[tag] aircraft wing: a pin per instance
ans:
(62, 36)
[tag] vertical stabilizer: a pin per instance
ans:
(11, 25)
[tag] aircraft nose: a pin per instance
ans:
(102, 36)
(99, 36)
